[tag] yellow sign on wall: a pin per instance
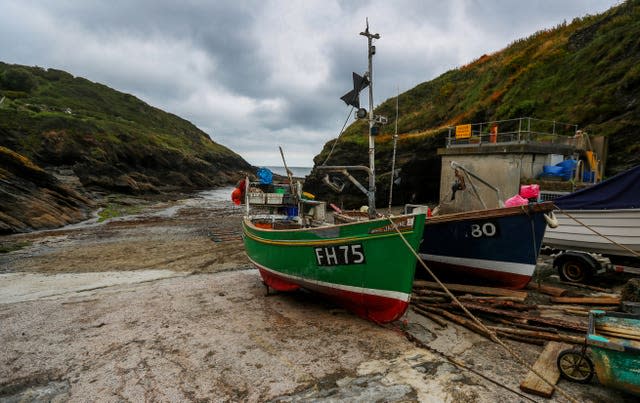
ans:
(463, 131)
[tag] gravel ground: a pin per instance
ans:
(164, 306)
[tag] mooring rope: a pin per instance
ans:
(460, 364)
(634, 253)
(492, 334)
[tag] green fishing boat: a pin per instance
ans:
(367, 265)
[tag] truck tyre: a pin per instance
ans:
(575, 270)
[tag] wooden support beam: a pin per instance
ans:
(482, 298)
(574, 307)
(521, 317)
(547, 289)
(421, 298)
(493, 302)
(588, 287)
(587, 300)
(533, 334)
(523, 335)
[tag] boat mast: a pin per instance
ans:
(371, 194)
(374, 123)
(393, 159)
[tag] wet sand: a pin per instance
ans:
(164, 306)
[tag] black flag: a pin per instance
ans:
(353, 97)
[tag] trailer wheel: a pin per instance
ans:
(575, 366)
(574, 270)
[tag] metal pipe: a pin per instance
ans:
(455, 165)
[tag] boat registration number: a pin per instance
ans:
(487, 229)
(340, 255)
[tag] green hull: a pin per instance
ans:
(365, 265)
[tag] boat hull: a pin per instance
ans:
(364, 266)
(621, 226)
(495, 247)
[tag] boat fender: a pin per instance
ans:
(237, 196)
(551, 220)
(308, 196)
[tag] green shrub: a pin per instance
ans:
(17, 79)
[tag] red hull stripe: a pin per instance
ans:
(468, 274)
(309, 283)
(483, 264)
(376, 308)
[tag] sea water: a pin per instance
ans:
(223, 194)
(297, 172)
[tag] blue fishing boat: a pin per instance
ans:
(496, 247)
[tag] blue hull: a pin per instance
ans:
(497, 247)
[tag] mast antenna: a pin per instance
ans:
(373, 129)
(351, 98)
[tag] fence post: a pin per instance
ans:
(519, 128)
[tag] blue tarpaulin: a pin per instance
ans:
(265, 175)
(618, 192)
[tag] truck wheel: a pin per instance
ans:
(574, 271)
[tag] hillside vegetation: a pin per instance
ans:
(63, 139)
(586, 72)
(110, 139)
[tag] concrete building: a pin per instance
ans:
(507, 154)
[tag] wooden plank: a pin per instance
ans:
(587, 300)
(619, 335)
(472, 289)
(618, 331)
(504, 331)
(484, 298)
(547, 289)
(618, 328)
(546, 366)
(584, 308)
(503, 313)
(532, 334)
(589, 287)
(421, 298)
(430, 293)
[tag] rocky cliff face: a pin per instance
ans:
(31, 198)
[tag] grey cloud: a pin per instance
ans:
(255, 73)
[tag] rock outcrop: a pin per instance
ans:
(31, 198)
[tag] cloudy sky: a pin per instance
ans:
(258, 74)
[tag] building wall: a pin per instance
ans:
(505, 171)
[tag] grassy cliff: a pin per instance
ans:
(63, 139)
(586, 72)
(111, 140)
